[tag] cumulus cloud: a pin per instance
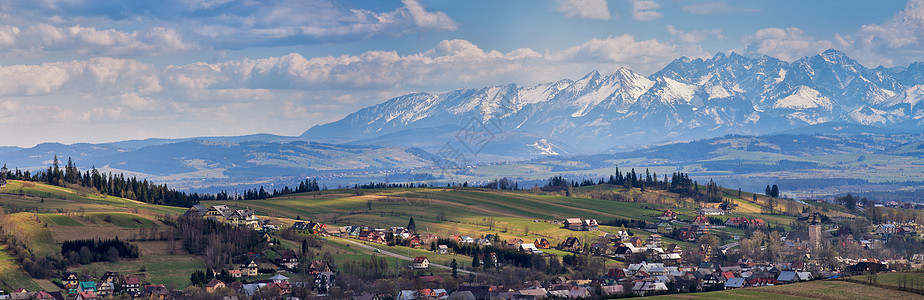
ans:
(645, 10)
(708, 8)
(694, 36)
(586, 9)
(95, 27)
(897, 41)
(784, 43)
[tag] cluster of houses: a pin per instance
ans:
(110, 284)
(222, 213)
(639, 279)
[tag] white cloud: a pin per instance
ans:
(645, 10)
(39, 39)
(94, 28)
(694, 36)
(708, 8)
(586, 9)
(897, 41)
(784, 43)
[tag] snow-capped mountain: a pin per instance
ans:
(687, 99)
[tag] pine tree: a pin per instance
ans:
(455, 268)
(411, 226)
(475, 262)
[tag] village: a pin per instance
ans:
(652, 262)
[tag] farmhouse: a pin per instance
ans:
(421, 262)
(222, 213)
(542, 243)
(442, 249)
(249, 269)
(573, 223)
(572, 244)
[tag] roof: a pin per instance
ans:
(278, 277)
(735, 282)
(214, 283)
(421, 259)
(573, 221)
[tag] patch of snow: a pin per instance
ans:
(544, 147)
(804, 98)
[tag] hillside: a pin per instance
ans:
(821, 289)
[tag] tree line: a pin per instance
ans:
(119, 185)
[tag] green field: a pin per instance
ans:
(12, 276)
(60, 220)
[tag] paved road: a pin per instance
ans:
(399, 256)
(730, 245)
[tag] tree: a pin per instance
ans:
(475, 262)
(455, 268)
(775, 191)
(767, 191)
(411, 226)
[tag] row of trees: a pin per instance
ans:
(142, 190)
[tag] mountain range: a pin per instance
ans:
(687, 99)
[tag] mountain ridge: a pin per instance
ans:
(687, 99)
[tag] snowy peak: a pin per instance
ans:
(688, 98)
(804, 98)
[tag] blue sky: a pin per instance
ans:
(98, 71)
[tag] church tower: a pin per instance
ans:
(814, 231)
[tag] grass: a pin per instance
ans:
(12, 276)
(896, 279)
(60, 220)
(123, 220)
(821, 289)
(160, 266)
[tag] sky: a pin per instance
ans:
(101, 70)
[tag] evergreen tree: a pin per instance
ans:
(410, 225)
(455, 268)
(475, 262)
(775, 191)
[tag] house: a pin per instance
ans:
(711, 211)
(421, 262)
(300, 225)
(234, 273)
(483, 242)
(88, 295)
(572, 244)
(590, 225)
(530, 248)
(110, 277)
(334, 231)
(279, 278)
(665, 228)
(573, 224)
(213, 285)
(318, 266)
(250, 269)
(158, 292)
(688, 236)
(542, 243)
(490, 260)
(288, 259)
(885, 229)
(736, 222)
(793, 276)
(701, 220)
(636, 241)
(514, 243)
(442, 249)
(69, 280)
(668, 215)
(369, 296)
(651, 227)
(86, 286)
(761, 281)
(735, 283)
(700, 229)
(104, 289)
(466, 239)
(598, 248)
(648, 288)
(132, 285)
(758, 223)
(654, 239)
